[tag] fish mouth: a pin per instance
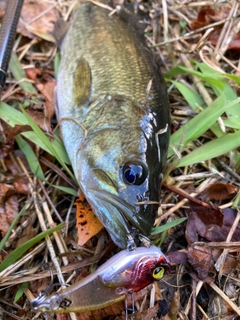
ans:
(125, 209)
(119, 217)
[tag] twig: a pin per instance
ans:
(223, 295)
(186, 35)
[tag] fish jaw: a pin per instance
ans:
(99, 168)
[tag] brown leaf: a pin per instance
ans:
(63, 316)
(8, 208)
(11, 208)
(177, 257)
(37, 18)
(218, 192)
(6, 190)
(32, 73)
(196, 227)
(230, 263)
(47, 89)
(40, 119)
(21, 184)
(17, 129)
(208, 214)
(88, 224)
(202, 262)
(4, 225)
(208, 15)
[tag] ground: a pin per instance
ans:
(197, 45)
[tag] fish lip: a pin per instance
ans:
(125, 209)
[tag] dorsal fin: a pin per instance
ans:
(132, 16)
(60, 29)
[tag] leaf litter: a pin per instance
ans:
(202, 71)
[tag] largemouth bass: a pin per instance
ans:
(113, 109)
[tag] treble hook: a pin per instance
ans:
(51, 285)
(131, 245)
(132, 309)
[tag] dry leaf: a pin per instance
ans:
(47, 90)
(209, 215)
(32, 73)
(207, 16)
(230, 263)
(219, 192)
(40, 119)
(37, 18)
(21, 184)
(88, 224)
(202, 262)
(8, 207)
(17, 129)
(177, 257)
(196, 227)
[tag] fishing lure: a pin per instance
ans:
(123, 274)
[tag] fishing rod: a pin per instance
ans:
(7, 36)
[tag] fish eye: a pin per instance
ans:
(158, 273)
(134, 173)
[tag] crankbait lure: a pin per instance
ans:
(124, 273)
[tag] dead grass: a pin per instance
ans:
(169, 35)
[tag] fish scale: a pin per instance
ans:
(112, 104)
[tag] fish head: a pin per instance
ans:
(122, 159)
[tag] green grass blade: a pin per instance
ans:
(14, 117)
(191, 96)
(18, 252)
(19, 74)
(15, 221)
(20, 291)
(199, 124)
(167, 226)
(212, 149)
(47, 143)
(36, 167)
(174, 72)
(11, 115)
(57, 60)
(68, 190)
(233, 77)
(31, 157)
(229, 92)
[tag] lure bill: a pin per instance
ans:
(124, 273)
